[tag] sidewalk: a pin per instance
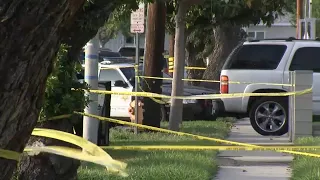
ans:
(253, 165)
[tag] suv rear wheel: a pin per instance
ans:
(269, 116)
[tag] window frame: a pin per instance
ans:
(255, 34)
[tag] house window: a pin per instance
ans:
(129, 40)
(256, 35)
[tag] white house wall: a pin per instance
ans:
(119, 41)
(274, 31)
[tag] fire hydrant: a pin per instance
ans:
(140, 111)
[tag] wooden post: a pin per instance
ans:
(298, 17)
(153, 63)
(104, 127)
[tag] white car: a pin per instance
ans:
(267, 61)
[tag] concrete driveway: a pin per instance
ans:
(253, 165)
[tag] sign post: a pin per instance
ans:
(137, 27)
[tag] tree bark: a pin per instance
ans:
(171, 45)
(52, 166)
(49, 166)
(176, 109)
(154, 60)
(193, 60)
(226, 38)
(30, 33)
(37, 29)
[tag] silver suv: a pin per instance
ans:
(267, 61)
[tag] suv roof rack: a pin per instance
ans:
(285, 39)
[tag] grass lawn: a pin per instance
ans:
(306, 168)
(163, 164)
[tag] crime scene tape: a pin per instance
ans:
(60, 117)
(109, 163)
(90, 152)
(204, 96)
(7, 154)
(220, 148)
(159, 101)
(88, 147)
(194, 68)
(191, 135)
(216, 81)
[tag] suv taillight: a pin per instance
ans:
(224, 84)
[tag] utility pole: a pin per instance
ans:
(91, 125)
(153, 62)
(306, 34)
(298, 17)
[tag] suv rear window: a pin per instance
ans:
(262, 57)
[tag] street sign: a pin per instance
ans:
(137, 17)
(137, 28)
(137, 20)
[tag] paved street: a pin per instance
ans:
(253, 165)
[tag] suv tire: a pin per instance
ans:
(267, 112)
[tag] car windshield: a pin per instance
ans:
(263, 57)
(128, 72)
(110, 75)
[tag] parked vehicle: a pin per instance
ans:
(130, 51)
(104, 54)
(193, 108)
(122, 79)
(267, 61)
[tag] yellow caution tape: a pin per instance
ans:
(91, 152)
(216, 81)
(205, 96)
(109, 163)
(220, 148)
(60, 117)
(159, 101)
(190, 135)
(195, 68)
(7, 154)
(88, 147)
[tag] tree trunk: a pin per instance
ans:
(176, 108)
(226, 38)
(52, 166)
(154, 60)
(171, 45)
(30, 34)
(193, 60)
(49, 166)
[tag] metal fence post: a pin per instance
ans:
(303, 105)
